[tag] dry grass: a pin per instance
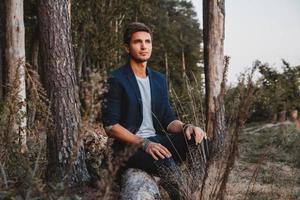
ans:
(268, 166)
(21, 171)
(209, 182)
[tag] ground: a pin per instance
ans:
(268, 166)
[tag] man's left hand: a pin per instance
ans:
(195, 131)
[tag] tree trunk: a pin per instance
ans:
(80, 57)
(138, 185)
(1, 62)
(2, 27)
(15, 62)
(35, 49)
(69, 10)
(66, 157)
(183, 65)
(183, 59)
(213, 30)
(167, 68)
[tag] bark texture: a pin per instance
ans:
(138, 185)
(214, 28)
(1, 65)
(2, 27)
(214, 62)
(35, 50)
(15, 62)
(66, 157)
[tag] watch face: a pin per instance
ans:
(108, 128)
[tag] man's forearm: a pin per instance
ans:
(119, 132)
(175, 127)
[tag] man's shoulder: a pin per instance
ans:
(117, 72)
(121, 72)
(157, 74)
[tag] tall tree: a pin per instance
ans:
(1, 70)
(213, 30)
(15, 63)
(66, 157)
(214, 63)
(1, 49)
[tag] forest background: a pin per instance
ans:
(92, 34)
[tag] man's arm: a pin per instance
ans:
(154, 149)
(175, 126)
(119, 132)
(189, 130)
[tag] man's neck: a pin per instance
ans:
(139, 69)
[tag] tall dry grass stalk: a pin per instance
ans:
(103, 164)
(201, 179)
(209, 180)
(22, 171)
(219, 170)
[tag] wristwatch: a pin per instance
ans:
(108, 128)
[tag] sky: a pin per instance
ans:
(267, 30)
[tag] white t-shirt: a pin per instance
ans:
(147, 129)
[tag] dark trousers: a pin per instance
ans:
(166, 169)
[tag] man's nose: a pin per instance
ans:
(143, 46)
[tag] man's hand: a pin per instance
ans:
(195, 131)
(157, 151)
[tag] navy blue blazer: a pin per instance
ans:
(123, 103)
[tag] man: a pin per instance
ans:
(137, 112)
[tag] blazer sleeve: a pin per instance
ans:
(111, 107)
(169, 114)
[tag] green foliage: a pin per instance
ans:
(280, 91)
(97, 31)
(278, 143)
(97, 37)
(98, 26)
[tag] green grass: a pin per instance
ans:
(268, 166)
(277, 144)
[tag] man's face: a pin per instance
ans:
(140, 46)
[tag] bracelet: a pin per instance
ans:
(145, 144)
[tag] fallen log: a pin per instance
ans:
(138, 185)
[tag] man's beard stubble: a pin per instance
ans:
(138, 60)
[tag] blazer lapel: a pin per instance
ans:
(133, 82)
(152, 88)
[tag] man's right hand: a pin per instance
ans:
(157, 151)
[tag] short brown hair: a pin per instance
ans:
(135, 27)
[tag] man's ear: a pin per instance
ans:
(126, 47)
